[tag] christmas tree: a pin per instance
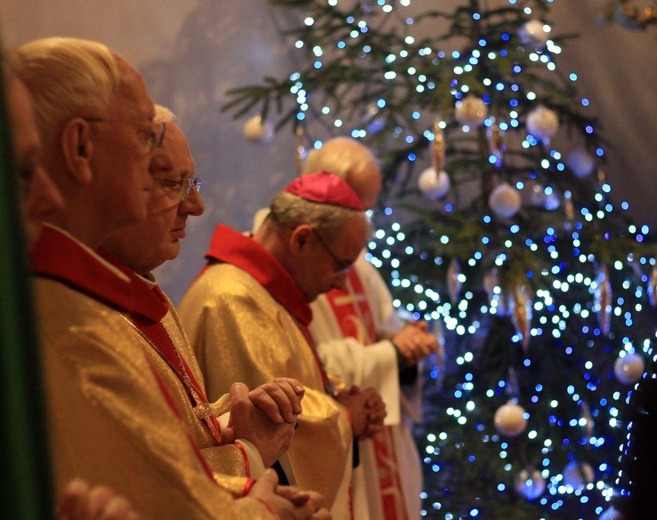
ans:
(496, 221)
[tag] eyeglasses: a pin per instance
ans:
(183, 186)
(343, 266)
(151, 139)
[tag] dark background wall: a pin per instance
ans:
(191, 52)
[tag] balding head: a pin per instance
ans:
(352, 161)
(95, 120)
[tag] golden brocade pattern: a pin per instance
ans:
(240, 333)
(227, 461)
(109, 422)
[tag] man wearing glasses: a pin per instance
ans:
(247, 316)
(111, 421)
(140, 248)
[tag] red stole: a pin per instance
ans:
(58, 256)
(353, 311)
(151, 305)
(356, 320)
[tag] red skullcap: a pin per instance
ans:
(325, 188)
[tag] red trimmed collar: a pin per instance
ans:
(232, 247)
(150, 301)
(59, 256)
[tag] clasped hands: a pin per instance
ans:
(415, 342)
(265, 416)
(367, 410)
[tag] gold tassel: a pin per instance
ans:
(522, 314)
(603, 299)
(453, 282)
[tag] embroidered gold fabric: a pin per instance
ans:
(108, 420)
(240, 333)
(225, 461)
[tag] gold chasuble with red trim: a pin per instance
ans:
(157, 329)
(355, 319)
(246, 319)
(111, 420)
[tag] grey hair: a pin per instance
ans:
(289, 210)
(66, 77)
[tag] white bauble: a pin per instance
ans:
(434, 185)
(471, 111)
(578, 474)
(510, 419)
(529, 483)
(580, 162)
(611, 514)
(258, 131)
(535, 33)
(504, 200)
(629, 368)
(542, 122)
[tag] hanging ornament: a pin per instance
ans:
(588, 422)
(602, 302)
(568, 210)
(510, 419)
(529, 483)
(504, 200)
(496, 143)
(499, 300)
(453, 279)
(542, 122)
(534, 33)
(374, 119)
(258, 131)
(300, 150)
(434, 185)
(652, 286)
(580, 161)
(578, 475)
(629, 368)
(471, 111)
(434, 182)
(522, 314)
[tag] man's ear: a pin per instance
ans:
(299, 237)
(77, 149)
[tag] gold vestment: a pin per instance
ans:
(239, 332)
(109, 422)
